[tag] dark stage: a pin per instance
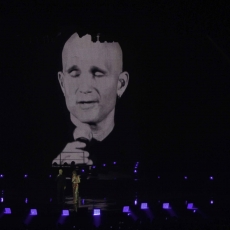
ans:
(173, 202)
(167, 104)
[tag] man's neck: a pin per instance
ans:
(101, 134)
(102, 129)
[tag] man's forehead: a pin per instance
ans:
(84, 49)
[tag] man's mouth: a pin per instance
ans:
(87, 104)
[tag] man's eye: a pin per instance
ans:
(99, 74)
(75, 73)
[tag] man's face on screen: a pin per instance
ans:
(89, 79)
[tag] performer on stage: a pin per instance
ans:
(61, 186)
(75, 181)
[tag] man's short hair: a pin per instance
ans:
(68, 31)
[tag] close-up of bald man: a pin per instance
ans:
(92, 79)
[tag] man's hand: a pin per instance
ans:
(73, 152)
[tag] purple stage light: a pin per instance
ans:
(7, 211)
(96, 212)
(190, 206)
(1, 175)
(211, 202)
(135, 171)
(166, 206)
(144, 206)
(126, 209)
(104, 165)
(114, 162)
(25, 176)
(194, 210)
(185, 177)
(211, 178)
(50, 176)
(158, 177)
(33, 212)
(50, 199)
(2, 199)
(65, 212)
(83, 170)
(26, 200)
(135, 202)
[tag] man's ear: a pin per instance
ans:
(122, 83)
(61, 81)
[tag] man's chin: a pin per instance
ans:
(88, 120)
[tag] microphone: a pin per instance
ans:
(82, 131)
(83, 134)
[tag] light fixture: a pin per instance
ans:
(96, 212)
(144, 206)
(126, 209)
(7, 211)
(65, 212)
(166, 206)
(33, 212)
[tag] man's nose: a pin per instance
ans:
(86, 85)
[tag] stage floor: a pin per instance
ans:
(210, 201)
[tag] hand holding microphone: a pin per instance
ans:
(82, 132)
(75, 151)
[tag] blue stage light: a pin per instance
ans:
(96, 212)
(65, 212)
(144, 206)
(190, 206)
(126, 209)
(33, 212)
(7, 211)
(166, 206)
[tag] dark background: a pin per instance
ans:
(177, 102)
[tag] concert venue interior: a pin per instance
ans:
(165, 164)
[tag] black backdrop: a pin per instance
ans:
(177, 54)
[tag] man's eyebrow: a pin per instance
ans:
(95, 69)
(71, 68)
